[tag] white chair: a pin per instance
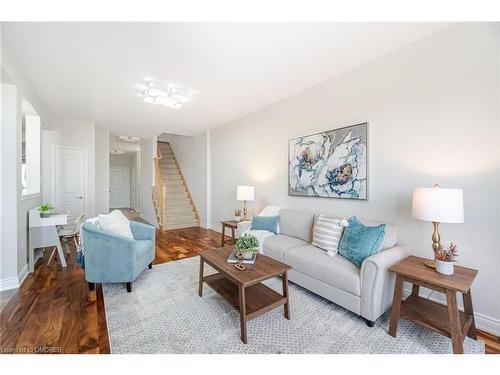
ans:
(69, 234)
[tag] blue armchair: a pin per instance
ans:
(110, 258)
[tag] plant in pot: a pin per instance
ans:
(237, 215)
(445, 257)
(245, 247)
(46, 210)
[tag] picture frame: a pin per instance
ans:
(330, 164)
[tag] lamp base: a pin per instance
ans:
(430, 263)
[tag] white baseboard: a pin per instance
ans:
(483, 322)
(9, 283)
(216, 228)
(22, 275)
(14, 282)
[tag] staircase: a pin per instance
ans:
(174, 204)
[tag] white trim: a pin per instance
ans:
(21, 276)
(483, 322)
(9, 283)
(15, 281)
(216, 228)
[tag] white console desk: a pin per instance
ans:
(43, 233)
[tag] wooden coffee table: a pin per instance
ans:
(447, 320)
(243, 289)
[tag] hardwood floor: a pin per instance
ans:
(54, 311)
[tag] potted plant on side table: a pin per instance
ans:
(445, 257)
(245, 247)
(46, 210)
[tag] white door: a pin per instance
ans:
(69, 180)
(119, 188)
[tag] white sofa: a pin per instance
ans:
(366, 291)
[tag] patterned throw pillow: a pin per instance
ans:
(360, 241)
(327, 232)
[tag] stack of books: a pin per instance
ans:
(233, 260)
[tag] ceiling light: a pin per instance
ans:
(128, 138)
(167, 101)
(116, 152)
(166, 94)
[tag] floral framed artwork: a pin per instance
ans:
(330, 164)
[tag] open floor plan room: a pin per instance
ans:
(250, 188)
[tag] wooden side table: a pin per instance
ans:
(233, 224)
(444, 319)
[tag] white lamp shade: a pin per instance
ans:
(245, 193)
(438, 205)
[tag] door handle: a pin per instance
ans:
(80, 197)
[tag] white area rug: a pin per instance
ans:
(164, 314)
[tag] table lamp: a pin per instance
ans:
(438, 206)
(245, 194)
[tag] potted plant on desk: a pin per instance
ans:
(46, 210)
(245, 247)
(445, 257)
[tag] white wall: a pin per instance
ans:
(14, 233)
(191, 155)
(101, 171)
(146, 179)
(433, 112)
(123, 160)
(8, 187)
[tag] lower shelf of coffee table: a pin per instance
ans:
(259, 298)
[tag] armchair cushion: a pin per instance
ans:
(117, 223)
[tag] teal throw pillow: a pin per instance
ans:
(269, 223)
(360, 241)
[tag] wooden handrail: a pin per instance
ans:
(160, 192)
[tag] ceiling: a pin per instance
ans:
(96, 71)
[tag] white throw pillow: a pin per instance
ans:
(327, 232)
(116, 223)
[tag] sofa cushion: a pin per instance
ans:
(327, 232)
(296, 223)
(335, 271)
(391, 232)
(275, 246)
(268, 223)
(360, 241)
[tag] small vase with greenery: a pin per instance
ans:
(247, 245)
(237, 215)
(46, 210)
(445, 256)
